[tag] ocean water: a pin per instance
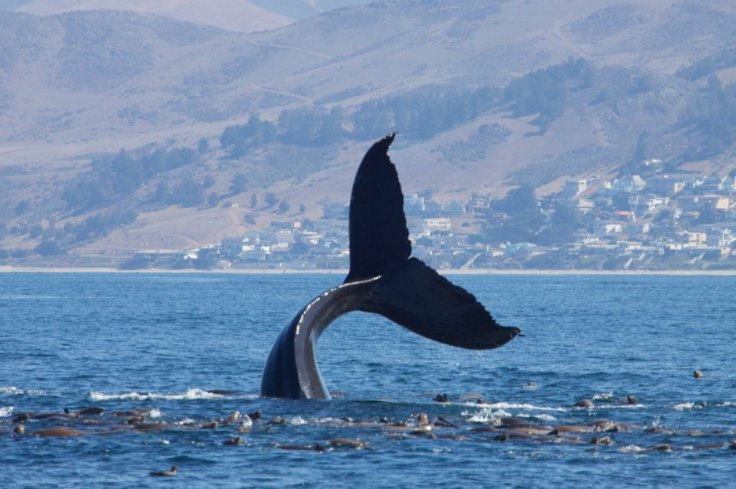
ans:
(188, 349)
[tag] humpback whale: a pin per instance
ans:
(383, 279)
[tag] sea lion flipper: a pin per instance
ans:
(379, 238)
(418, 298)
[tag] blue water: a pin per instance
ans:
(161, 342)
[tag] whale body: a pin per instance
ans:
(383, 279)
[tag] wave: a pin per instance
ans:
(6, 411)
(687, 406)
(522, 406)
(16, 391)
(190, 395)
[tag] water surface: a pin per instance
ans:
(163, 342)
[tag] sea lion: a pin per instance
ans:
(347, 443)
(601, 440)
(308, 448)
(58, 431)
(441, 398)
(165, 473)
(584, 403)
(572, 429)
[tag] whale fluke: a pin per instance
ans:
(379, 238)
(383, 279)
(423, 301)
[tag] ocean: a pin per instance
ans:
(169, 358)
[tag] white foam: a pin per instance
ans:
(545, 417)
(687, 406)
(631, 449)
(521, 406)
(485, 415)
(15, 391)
(297, 421)
(542, 417)
(6, 411)
(603, 396)
(189, 395)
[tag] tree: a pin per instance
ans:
(238, 183)
(48, 248)
(523, 217)
(517, 200)
(270, 199)
(21, 207)
(561, 229)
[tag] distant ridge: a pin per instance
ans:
(234, 15)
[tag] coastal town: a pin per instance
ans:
(646, 219)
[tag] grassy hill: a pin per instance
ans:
(485, 96)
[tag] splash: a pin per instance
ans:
(485, 415)
(189, 395)
(6, 411)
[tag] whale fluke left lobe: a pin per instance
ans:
(379, 238)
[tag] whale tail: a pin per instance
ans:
(383, 279)
(409, 293)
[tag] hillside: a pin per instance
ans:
(234, 15)
(485, 96)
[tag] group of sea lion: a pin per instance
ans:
(94, 420)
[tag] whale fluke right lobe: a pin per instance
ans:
(423, 301)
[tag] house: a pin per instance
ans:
(623, 216)
(696, 239)
(728, 184)
(657, 203)
(414, 205)
(585, 205)
(437, 224)
(706, 185)
(479, 205)
(718, 202)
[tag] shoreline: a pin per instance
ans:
(480, 271)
